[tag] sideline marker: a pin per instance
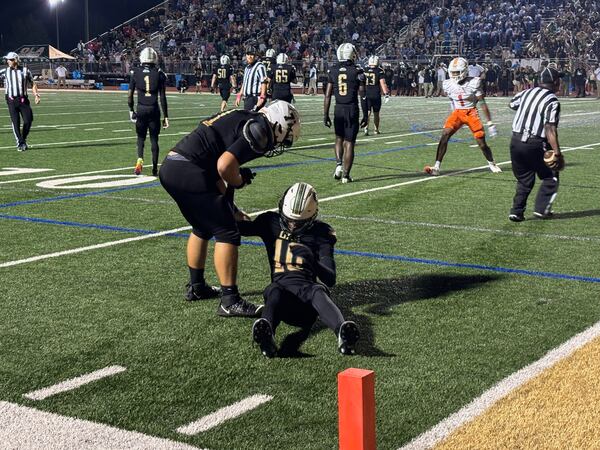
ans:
(356, 409)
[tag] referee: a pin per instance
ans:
(535, 131)
(16, 81)
(254, 85)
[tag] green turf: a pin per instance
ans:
(436, 336)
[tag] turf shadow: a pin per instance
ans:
(576, 214)
(380, 296)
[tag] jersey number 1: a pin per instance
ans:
(147, 81)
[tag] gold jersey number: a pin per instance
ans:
(283, 258)
(147, 82)
(222, 73)
(342, 84)
(370, 79)
(281, 76)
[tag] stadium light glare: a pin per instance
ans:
(54, 4)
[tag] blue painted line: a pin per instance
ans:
(381, 256)
(79, 195)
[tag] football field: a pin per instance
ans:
(450, 296)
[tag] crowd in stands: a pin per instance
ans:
(192, 32)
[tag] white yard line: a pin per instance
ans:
(224, 414)
(128, 130)
(187, 228)
(392, 142)
(482, 403)
(27, 428)
(66, 175)
(461, 228)
(74, 383)
(93, 129)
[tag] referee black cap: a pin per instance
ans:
(549, 76)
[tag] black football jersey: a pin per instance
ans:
(372, 77)
(223, 74)
(269, 64)
(150, 84)
(315, 244)
(346, 79)
(281, 76)
(219, 133)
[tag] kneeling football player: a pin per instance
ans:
(300, 250)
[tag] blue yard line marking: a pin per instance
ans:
(381, 256)
(142, 186)
(79, 195)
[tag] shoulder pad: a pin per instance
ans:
(259, 135)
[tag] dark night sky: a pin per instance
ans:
(34, 22)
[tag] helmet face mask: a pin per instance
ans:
(298, 208)
(148, 56)
(458, 69)
(285, 121)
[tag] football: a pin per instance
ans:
(554, 162)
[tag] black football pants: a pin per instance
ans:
(17, 108)
(527, 162)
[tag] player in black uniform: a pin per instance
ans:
(282, 75)
(224, 79)
(374, 85)
(198, 76)
(300, 251)
(150, 83)
(269, 62)
(347, 82)
(196, 172)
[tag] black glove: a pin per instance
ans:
(327, 121)
(247, 176)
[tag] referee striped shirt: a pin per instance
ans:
(254, 76)
(16, 81)
(535, 108)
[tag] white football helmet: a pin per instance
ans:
(373, 61)
(285, 120)
(225, 60)
(346, 52)
(282, 58)
(298, 208)
(149, 56)
(270, 53)
(458, 69)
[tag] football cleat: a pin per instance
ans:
(377, 131)
(347, 337)
(546, 215)
(199, 291)
(139, 166)
(516, 217)
(154, 171)
(366, 130)
(347, 179)
(337, 173)
(241, 308)
(262, 333)
(434, 171)
(495, 168)
(21, 147)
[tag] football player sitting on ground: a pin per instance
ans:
(300, 251)
(374, 85)
(224, 78)
(150, 83)
(194, 173)
(346, 81)
(464, 93)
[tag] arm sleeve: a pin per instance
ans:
(131, 91)
(552, 114)
(163, 95)
(252, 228)
(516, 101)
(326, 270)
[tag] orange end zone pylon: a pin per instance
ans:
(356, 409)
